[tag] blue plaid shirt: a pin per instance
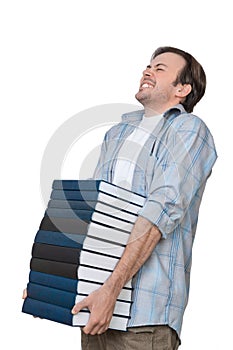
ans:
(171, 171)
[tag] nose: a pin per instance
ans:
(147, 71)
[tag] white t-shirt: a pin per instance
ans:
(130, 150)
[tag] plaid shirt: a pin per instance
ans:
(171, 171)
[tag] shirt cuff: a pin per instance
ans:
(155, 213)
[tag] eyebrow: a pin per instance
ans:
(157, 65)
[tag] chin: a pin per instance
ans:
(141, 97)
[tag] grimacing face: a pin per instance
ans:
(156, 88)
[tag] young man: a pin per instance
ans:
(166, 154)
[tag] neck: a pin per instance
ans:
(149, 112)
(156, 110)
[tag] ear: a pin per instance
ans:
(183, 90)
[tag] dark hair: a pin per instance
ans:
(192, 74)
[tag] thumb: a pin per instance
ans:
(79, 306)
(24, 296)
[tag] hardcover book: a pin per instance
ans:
(81, 237)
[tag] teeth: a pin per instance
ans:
(145, 85)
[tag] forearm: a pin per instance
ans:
(143, 239)
(101, 302)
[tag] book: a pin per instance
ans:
(100, 246)
(110, 234)
(87, 287)
(98, 260)
(82, 185)
(51, 295)
(96, 275)
(99, 186)
(121, 307)
(65, 204)
(81, 237)
(47, 311)
(67, 299)
(56, 253)
(86, 215)
(104, 198)
(63, 315)
(62, 239)
(68, 225)
(88, 190)
(54, 281)
(54, 267)
(112, 222)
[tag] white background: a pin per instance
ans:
(61, 57)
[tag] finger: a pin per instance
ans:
(79, 306)
(24, 296)
(93, 330)
(95, 326)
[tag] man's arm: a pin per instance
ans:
(143, 239)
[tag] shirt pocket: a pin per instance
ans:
(152, 164)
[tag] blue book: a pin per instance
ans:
(81, 185)
(84, 215)
(48, 311)
(62, 239)
(53, 281)
(51, 295)
(65, 204)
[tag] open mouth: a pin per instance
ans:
(147, 85)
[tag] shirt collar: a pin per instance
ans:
(137, 115)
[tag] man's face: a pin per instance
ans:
(156, 86)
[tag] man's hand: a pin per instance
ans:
(24, 296)
(101, 304)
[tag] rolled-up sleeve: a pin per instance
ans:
(183, 162)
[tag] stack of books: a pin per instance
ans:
(83, 234)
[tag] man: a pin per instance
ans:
(166, 154)
(175, 153)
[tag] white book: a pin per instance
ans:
(118, 323)
(121, 308)
(97, 260)
(118, 203)
(96, 275)
(81, 318)
(108, 220)
(116, 212)
(121, 193)
(85, 287)
(107, 233)
(96, 245)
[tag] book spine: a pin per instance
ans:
(51, 295)
(54, 268)
(60, 239)
(53, 281)
(56, 253)
(48, 311)
(88, 185)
